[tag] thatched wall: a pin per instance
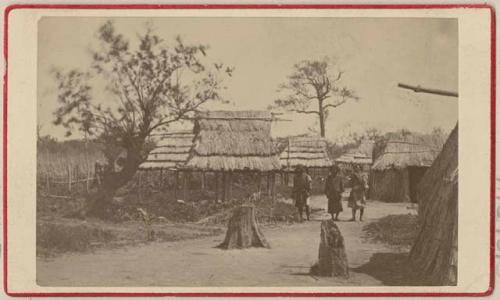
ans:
(434, 253)
(390, 185)
(311, 152)
(171, 151)
(233, 140)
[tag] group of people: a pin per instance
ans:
(334, 188)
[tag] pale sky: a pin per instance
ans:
(375, 53)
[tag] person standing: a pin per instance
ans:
(357, 196)
(301, 191)
(334, 188)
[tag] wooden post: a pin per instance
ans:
(273, 186)
(268, 191)
(161, 178)
(69, 178)
(184, 183)
(216, 186)
(259, 183)
(230, 186)
(176, 183)
(203, 180)
(224, 186)
(48, 183)
(88, 179)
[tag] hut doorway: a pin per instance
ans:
(415, 174)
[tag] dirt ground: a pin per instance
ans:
(294, 249)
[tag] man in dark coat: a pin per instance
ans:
(334, 188)
(301, 191)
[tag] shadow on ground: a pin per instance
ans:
(390, 268)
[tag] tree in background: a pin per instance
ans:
(152, 86)
(314, 87)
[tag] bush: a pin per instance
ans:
(59, 237)
(398, 230)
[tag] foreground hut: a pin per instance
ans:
(398, 170)
(434, 253)
(234, 141)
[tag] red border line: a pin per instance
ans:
(488, 292)
(493, 152)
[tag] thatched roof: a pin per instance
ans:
(233, 140)
(361, 155)
(172, 151)
(354, 158)
(307, 151)
(409, 151)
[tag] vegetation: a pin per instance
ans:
(314, 87)
(397, 230)
(152, 87)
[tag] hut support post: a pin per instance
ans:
(230, 186)
(176, 183)
(184, 185)
(273, 186)
(161, 178)
(259, 184)
(69, 178)
(268, 191)
(202, 180)
(216, 186)
(224, 186)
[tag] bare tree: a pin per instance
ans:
(314, 83)
(152, 87)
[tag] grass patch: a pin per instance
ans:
(58, 235)
(396, 230)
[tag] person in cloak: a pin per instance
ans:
(302, 184)
(334, 188)
(357, 196)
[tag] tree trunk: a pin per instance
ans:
(99, 203)
(332, 259)
(243, 230)
(321, 113)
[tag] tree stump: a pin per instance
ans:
(332, 258)
(243, 230)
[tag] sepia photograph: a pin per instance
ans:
(247, 152)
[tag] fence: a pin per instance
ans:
(66, 181)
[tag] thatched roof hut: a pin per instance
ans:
(434, 252)
(311, 152)
(398, 170)
(233, 140)
(171, 151)
(361, 155)
(411, 152)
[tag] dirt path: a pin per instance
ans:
(198, 263)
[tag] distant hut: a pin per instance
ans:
(233, 141)
(398, 170)
(361, 156)
(310, 152)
